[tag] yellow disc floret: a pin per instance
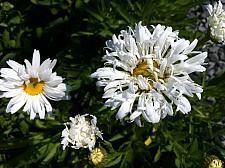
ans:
(152, 74)
(141, 69)
(34, 87)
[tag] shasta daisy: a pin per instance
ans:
(146, 73)
(31, 85)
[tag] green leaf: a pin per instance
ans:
(95, 14)
(75, 84)
(7, 57)
(39, 31)
(57, 22)
(6, 38)
(128, 157)
(44, 2)
(15, 20)
(24, 127)
(113, 160)
(157, 155)
(116, 137)
(52, 149)
(122, 11)
(6, 6)
(194, 146)
(178, 162)
(179, 147)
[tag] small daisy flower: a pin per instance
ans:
(31, 85)
(216, 21)
(81, 132)
(146, 73)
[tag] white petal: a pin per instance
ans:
(138, 121)
(134, 115)
(46, 103)
(19, 104)
(9, 74)
(53, 63)
(198, 95)
(153, 112)
(16, 103)
(45, 65)
(109, 93)
(198, 59)
(28, 66)
(45, 75)
(54, 93)
(55, 82)
(183, 105)
(36, 59)
(14, 65)
(28, 104)
(116, 83)
(124, 110)
(190, 47)
(13, 92)
(142, 82)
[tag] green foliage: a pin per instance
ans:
(75, 32)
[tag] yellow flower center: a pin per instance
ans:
(154, 74)
(34, 87)
(141, 69)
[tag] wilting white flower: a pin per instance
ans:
(217, 21)
(146, 73)
(31, 85)
(81, 132)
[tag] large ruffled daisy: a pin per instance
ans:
(217, 21)
(31, 85)
(146, 73)
(81, 132)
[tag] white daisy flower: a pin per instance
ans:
(81, 132)
(146, 73)
(31, 85)
(217, 21)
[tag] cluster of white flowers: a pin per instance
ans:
(81, 132)
(216, 21)
(146, 73)
(29, 86)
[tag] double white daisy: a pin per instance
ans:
(146, 73)
(31, 85)
(217, 21)
(81, 133)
